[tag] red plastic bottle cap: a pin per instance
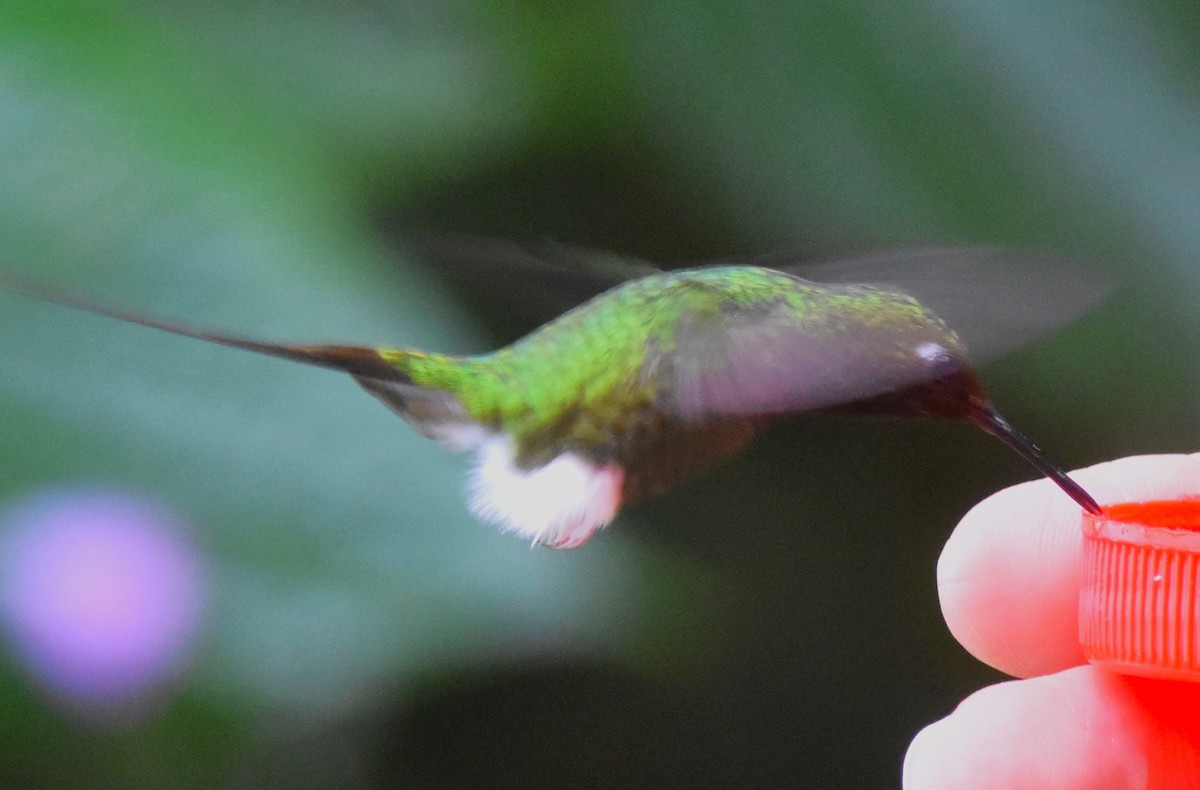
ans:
(1139, 598)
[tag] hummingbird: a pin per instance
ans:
(657, 378)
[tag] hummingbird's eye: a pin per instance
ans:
(935, 356)
(933, 353)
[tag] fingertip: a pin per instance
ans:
(1082, 728)
(1008, 577)
(1142, 477)
(1051, 732)
(921, 769)
(1008, 580)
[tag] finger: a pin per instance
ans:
(1082, 728)
(1009, 575)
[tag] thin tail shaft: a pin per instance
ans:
(991, 421)
(357, 360)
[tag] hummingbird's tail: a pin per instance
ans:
(987, 418)
(357, 360)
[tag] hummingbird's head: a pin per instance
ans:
(949, 388)
(940, 383)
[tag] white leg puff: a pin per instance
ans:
(558, 505)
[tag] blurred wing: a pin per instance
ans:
(848, 344)
(996, 300)
(539, 280)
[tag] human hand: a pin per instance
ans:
(1009, 585)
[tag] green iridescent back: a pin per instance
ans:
(599, 378)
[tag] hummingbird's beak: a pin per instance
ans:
(987, 418)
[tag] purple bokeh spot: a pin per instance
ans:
(101, 593)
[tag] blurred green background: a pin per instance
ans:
(257, 167)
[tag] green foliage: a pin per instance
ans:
(158, 159)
